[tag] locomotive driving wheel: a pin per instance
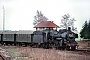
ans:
(46, 45)
(68, 47)
(73, 47)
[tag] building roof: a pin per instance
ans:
(0, 32)
(46, 24)
(24, 32)
(9, 32)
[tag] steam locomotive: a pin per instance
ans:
(62, 39)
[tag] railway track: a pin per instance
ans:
(79, 49)
(1, 57)
(84, 50)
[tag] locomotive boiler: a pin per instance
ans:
(65, 39)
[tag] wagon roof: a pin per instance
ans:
(24, 32)
(46, 24)
(0, 32)
(9, 32)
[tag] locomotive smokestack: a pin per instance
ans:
(69, 28)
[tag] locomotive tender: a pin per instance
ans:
(62, 39)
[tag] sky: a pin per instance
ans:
(19, 14)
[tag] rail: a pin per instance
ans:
(2, 57)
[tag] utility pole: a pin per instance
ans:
(3, 18)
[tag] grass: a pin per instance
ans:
(13, 53)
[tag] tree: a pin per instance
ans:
(39, 18)
(89, 25)
(84, 28)
(68, 22)
(88, 31)
(85, 31)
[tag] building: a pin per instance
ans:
(46, 25)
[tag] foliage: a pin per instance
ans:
(85, 31)
(68, 22)
(39, 18)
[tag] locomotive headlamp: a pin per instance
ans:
(71, 35)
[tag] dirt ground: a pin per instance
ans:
(28, 53)
(84, 44)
